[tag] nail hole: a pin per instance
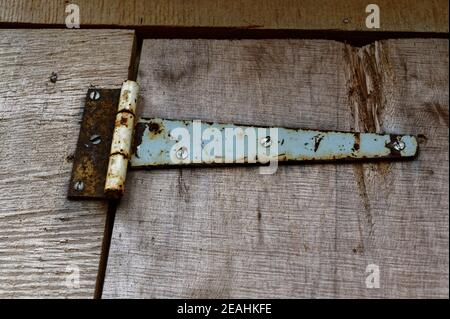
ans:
(54, 77)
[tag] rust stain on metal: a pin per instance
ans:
(116, 160)
(90, 160)
(154, 129)
(123, 121)
(394, 152)
(137, 138)
(317, 140)
(357, 143)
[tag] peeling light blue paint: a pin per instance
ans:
(157, 144)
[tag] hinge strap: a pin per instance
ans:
(162, 142)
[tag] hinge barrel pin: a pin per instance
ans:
(121, 141)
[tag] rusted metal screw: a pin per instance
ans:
(266, 141)
(78, 186)
(95, 139)
(94, 95)
(182, 153)
(399, 145)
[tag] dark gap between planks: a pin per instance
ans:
(355, 38)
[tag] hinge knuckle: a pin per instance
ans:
(121, 140)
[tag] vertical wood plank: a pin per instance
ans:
(46, 241)
(308, 230)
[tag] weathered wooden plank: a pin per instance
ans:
(309, 230)
(45, 240)
(399, 85)
(402, 15)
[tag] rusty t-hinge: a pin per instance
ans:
(111, 140)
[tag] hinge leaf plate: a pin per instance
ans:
(90, 160)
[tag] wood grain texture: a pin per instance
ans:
(44, 237)
(307, 231)
(402, 15)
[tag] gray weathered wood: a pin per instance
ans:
(309, 230)
(45, 238)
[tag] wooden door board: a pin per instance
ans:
(46, 241)
(308, 230)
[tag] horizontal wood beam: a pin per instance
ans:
(332, 15)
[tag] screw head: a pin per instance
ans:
(78, 186)
(95, 139)
(266, 141)
(182, 153)
(399, 145)
(94, 95)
